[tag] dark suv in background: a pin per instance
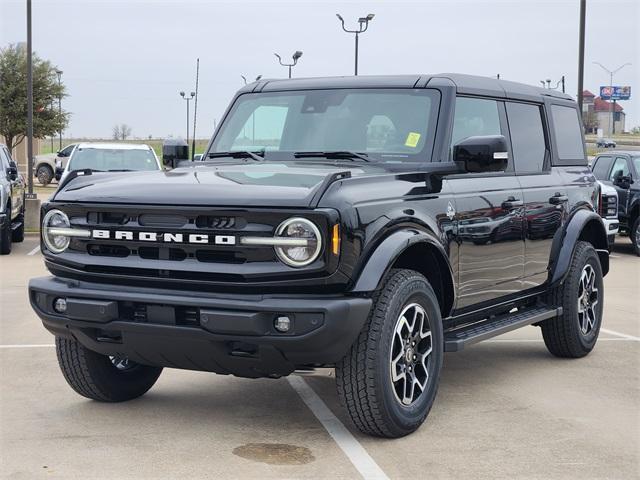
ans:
(367, 224)
(622, 170)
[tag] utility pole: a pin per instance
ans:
(611, 99)
(295, 57)
(583, 13)
(187, 98)
(363, 24)
(29, 101)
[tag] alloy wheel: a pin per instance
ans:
(411, 349)
(588, 298)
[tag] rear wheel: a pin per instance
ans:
(574, 333)
(389, 379)
(101, 377)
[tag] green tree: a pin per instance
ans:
(47, 120)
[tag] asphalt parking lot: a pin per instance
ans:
(505, 409)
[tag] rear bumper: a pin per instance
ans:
(229, 334)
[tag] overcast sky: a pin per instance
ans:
(125, 61)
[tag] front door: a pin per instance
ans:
(487, 224)
(620, 168)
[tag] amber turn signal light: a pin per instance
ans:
(335, 240)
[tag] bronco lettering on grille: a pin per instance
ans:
(196, 238)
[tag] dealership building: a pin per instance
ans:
(596, 114)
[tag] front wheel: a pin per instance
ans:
(574, 333)
(101, 377)
(5, 234)
(389, 379)
(44, 174)
(634, 235)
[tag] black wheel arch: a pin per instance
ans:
(583, 225)
(415, 249)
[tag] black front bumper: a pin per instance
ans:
(228, 334)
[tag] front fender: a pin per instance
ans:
(387, 252)
(583, 225)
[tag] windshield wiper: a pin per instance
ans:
(336, 155)
(238, 154)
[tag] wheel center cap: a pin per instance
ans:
(409, 355)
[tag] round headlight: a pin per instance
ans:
(52, 220)
(299, 255)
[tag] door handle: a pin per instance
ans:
(557, 199)
(511, 203)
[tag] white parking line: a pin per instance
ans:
(28, 346)
(354, 451)
(34, 251)
(539, 340)
(621, 335)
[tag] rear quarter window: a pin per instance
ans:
(568, 135)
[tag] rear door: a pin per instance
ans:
(488, 219)
(545, 195)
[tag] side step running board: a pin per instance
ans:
(456, 340)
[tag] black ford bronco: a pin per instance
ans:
(364, 223)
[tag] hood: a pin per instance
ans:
(247, 184)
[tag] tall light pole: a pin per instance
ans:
(547, 84)
(611, 100)
(583, 14)
(29, 101)
(59, 73)
(187, 98)
(295, 57)
(363, 24)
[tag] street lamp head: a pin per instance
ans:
(277, 56)
(370, 16)
(340, 17)
(193, 94)
(59, 72)
(182, 94)
(258, 77)
(297, 55)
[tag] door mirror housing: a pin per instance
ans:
(12, 171)
(174, 152)
(58, 174)
(623, 181)
(486, 153)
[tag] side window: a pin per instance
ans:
(527, 137)
(620, 169)
(474, 116)
(263, 129)
(568, 132)
(601, 167)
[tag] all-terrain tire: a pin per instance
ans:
(563, 335)
(5, 234)
(634, 235)
(44, 174)
(363, 376)
(96, 377)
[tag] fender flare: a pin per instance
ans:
(564, 244)
(388, 251)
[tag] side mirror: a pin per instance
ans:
(12, 171)
(623, 181)
(58, 174)
(174, 152)
(487, 153)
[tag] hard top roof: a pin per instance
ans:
(465, 84)
(114, 146)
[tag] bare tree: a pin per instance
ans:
(125, 131)
(121, 132)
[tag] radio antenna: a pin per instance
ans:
(195, 110)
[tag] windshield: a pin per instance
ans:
(106, 159)
(386, 124)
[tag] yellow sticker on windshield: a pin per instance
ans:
(412, 139)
